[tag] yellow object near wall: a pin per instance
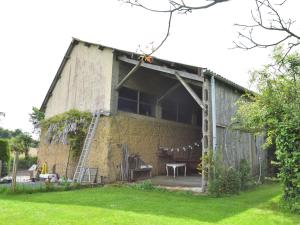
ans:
(44, 168)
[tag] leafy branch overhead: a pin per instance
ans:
(267, 18)
(173, 7)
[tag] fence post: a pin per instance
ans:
(0, 168)
(14, 175)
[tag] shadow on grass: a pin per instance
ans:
(170, 204)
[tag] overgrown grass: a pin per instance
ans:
(146, 185)
(126, 205)
(30, 188)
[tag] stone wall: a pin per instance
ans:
(57, 157)
(143, 135)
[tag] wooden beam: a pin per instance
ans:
(163, 69)
(14, 172)
(190, 90)
(135, 68)
(169, 91)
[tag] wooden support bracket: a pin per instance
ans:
(169, 91)
(190, 90)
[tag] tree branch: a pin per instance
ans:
(275, 23)
(179, 7)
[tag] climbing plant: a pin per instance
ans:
(69, 128)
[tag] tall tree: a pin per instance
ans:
(276, 111)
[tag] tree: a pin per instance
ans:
(276, 111)
(17, 144)
(4, 133)
(4, 156)
(36, 117)
(8, 134)
(173, 7)
(27, 143)
(268, 19)
(22, 142)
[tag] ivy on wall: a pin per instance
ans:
(69, 128)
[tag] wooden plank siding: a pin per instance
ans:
(234, 144)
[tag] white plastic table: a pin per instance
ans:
(175, 168)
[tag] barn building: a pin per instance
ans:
(164, 112)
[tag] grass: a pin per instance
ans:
(124, 205)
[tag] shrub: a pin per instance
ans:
(4, 156)
(292, 205)
(145, 185)
(244, 170)
(26, 163)
(288, 155)
(224, 181)
(30, 188)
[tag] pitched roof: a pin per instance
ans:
(75, 41)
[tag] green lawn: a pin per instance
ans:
(123, 205)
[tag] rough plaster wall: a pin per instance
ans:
(144, 135)
(98, 156)
(56, 155)
(235, 145)
(85, 82)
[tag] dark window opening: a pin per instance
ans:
(128, 93)
(185, 113)
(127, 105)
(177, 112)
(136, 102)
(169, 110)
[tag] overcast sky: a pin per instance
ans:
(35, 36)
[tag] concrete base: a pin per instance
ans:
(179, 181)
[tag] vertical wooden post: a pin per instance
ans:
(14, 175)
(0, 168)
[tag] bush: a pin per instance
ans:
(291, 205)
(29, 188)
(244, 170)
(224, 181)
(4, 156)
(26, 163)
(288, 155)
(145, 185)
